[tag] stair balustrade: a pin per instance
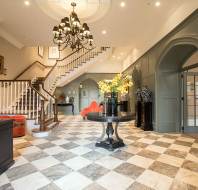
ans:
(68, 64)
(35, 98)
(19, 97)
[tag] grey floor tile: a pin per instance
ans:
(93, 155)
(20, 171)
(56, 172)
(63, 156)
(35, 156)
(94, 171)
(129, 170)
(69, 145)
(7, 187)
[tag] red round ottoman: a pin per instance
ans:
(19, 124)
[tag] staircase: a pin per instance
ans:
(34, 98)
(69, 68)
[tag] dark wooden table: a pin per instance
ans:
(6, 145)
(110, 142)
(67, 105)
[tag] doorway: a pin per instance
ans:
(168, 111)
(88, 92)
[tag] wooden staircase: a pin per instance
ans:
(34, 98)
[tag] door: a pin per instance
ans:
(190, 103)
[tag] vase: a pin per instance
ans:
(111, 104)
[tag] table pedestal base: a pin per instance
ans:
(110, 143)
(110, 146)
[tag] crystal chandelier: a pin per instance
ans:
(70, 33)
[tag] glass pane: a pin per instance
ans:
(191, 116)
(190, 85)
(190, 100)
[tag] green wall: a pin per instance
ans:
(145, 69)
(73, 87)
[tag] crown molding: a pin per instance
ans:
(5, 35)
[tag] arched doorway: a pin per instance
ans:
(168, 113)
(88, 92)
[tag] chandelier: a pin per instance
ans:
(70, 33)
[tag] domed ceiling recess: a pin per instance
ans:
(87, 10)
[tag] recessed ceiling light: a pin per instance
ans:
(113, 56)
(157, 4)
(104, 32)
(122, 4)
(27, 3)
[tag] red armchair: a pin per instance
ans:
(94, 107)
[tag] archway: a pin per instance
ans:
(168, 114)
(88, 92)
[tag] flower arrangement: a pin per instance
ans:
(119, 83)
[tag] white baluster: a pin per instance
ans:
(22, 103)
(30, 101)
(7, 95)
(37, 108)
(15, 97)
(26, 97)
(33, 107)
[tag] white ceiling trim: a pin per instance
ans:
(5, 35)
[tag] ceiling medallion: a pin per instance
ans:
(71, 33)
(88, 10)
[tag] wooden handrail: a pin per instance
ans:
(48, 92)
(15, 80)
(30, 84)
(68, 55)
(31, 65)
(58, 60)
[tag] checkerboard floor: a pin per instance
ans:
(68, 160)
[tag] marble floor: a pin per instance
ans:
(68, 160)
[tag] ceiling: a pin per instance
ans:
(137, 25)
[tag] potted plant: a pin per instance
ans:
(111, 88)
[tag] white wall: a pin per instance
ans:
(16, 60)
(107, 66)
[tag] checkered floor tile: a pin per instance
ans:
(69, 160)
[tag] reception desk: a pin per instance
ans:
(6, 145)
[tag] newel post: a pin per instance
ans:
(55, 111)
(42, 116)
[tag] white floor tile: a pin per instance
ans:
(73, 181)
(77, 163)
(116, 181)
(31, 182)
(44, 163)
(140, 161)
(109, 162)
(54, 150)
(80, 150)
(155, 180)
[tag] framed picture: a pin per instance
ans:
(53, 52)
(41, 51)
(2, 68)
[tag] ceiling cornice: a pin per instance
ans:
(5, 35)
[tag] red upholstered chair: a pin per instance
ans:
(19, 124)
(93, 107)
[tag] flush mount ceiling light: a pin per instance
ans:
(71, 33)
(104, 32)
(27, 3)
(157, 4)
(122, 4)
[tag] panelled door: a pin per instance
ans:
(190, 102)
